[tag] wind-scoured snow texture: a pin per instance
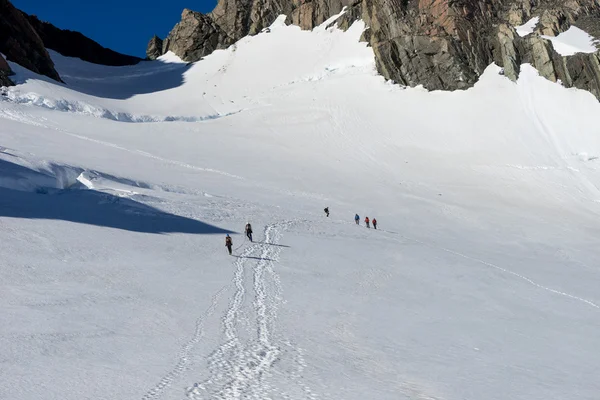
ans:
(481, 281)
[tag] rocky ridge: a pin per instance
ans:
(440, 44)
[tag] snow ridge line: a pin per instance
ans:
(184, 356)
(19, 116)
(526, 279)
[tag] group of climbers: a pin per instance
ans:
(248, 229)
(367, 221)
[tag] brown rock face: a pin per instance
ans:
(20, 43)
(447, 44)
(440, 44)
(4, 73)
(154, 49)
(198, 35)
(74, 44)
(195, 36)
(308, 14)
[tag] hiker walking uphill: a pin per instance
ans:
(326, 211)
(228, 243)
(249, 231)
(357, 219)
(374, 223)
(367, 222)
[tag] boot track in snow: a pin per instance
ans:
(243, 366)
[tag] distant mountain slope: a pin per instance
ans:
(20, 43)
(24, 39)
(74, 44)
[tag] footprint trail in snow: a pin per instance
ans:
(259, 363)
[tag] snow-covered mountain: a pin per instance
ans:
(118, 187)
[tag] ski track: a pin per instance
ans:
(489, 264)
(184, 362)
(242, 368)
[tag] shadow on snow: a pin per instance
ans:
(273, 244)
(112, 82)
(63, 199)
(256, 258)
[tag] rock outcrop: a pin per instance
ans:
(195, 36)
(154, 49)
(440, 44)
(74, 44)
(307, 14)
(20, 43)
(5, 72)
(446, 44)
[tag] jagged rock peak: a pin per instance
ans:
(154, 49)
(195, 36)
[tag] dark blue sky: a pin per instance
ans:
(122, 25)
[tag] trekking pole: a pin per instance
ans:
(240, 246)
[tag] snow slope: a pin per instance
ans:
(117, 189)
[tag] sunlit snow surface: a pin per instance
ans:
(481, 281)
(528, 27)
(572, 41)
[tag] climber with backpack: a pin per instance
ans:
(228, 243)
(374, 223)
(367, 222)
(249, 231)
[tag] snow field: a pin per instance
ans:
(481, 282)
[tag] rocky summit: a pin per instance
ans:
(154, 49)
(440, 44)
